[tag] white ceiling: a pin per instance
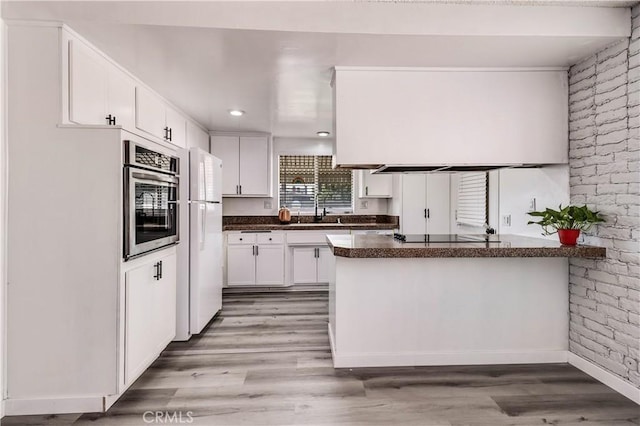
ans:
(274, 60)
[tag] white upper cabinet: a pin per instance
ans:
(374, 185)
(227, 148)
(177, 125)
(87, 85)
(150, 113)
(155, 117)
(453, 117)
(99, 92)
(196, 137)
(245, 164)
(121, 98)
(254, 165)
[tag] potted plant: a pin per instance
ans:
(567, 222)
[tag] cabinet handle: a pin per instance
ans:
(253, 250)
(157, 268)
(166, 133)
(240, 189)
(425, 213)
(160, 270)
(240, 239)
(428, 213)
(237, 189)
(170, 133)
(366, 190)
(111, 120)
(270, 239)
(257, 251)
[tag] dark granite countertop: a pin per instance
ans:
(307, 226)
(384, 246)
(271, 223)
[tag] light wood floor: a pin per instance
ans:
(266, 361)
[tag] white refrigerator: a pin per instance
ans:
(200, 277)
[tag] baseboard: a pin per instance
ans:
(22, 407)
(109, 400)
(445, 358)
(614, 382)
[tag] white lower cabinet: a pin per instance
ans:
(305, 265)
(241, 265)
(310, 265)
(425, 204)
(270, 264)
(324, 257)
(255, 259)
(150, 313)
(309, 256)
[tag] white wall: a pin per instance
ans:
(548, 185)
(294, 146)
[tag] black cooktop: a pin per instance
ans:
(446, 238)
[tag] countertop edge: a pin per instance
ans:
(453, 252)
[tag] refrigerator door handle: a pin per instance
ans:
(203, 224)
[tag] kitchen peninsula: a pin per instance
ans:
(500, 301)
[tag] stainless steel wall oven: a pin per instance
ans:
(150, 199)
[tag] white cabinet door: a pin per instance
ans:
(438, 203)
(87, 85)
(270, 264)
(150, 113)
(150, 313)
(165, 314)
(177, 125)
(241, 265)
(375, 186)
(305, 265)
(254, 165)
(121, 98)
(196, 137)
(325, 257)
(413, 220)
(227, 148)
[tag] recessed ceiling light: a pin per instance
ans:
(323, 134)
(236, 112)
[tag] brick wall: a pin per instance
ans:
(604, 142)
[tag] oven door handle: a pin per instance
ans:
(154, 177)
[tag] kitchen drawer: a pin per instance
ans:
(241, 238)
(317, 238)
(270, 238)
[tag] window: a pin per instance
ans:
(472, 199)
(302, 178)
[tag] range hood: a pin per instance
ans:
(449, 120)
(414, 168)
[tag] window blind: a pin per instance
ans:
(302, 178)
(472, 199)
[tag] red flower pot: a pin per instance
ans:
(568, 237)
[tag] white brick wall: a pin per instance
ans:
(604, 158)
